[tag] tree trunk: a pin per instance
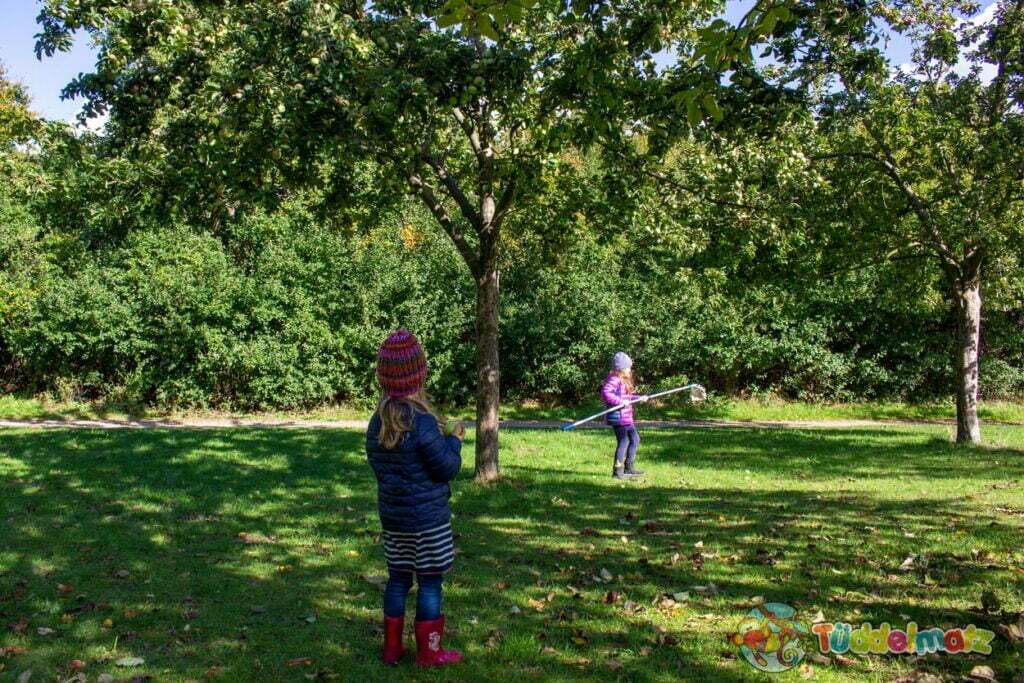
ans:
(488, 387)
(968, 353)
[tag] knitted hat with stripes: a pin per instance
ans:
(401, 364)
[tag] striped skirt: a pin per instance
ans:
(424, 552)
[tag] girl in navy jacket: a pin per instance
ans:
(414, 461)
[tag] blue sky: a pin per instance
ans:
(45, 79)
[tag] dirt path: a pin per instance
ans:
(222, 423)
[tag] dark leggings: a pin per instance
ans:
(428, 596)
(628, 441)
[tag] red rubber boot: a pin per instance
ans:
(428, 645)
(394, 648)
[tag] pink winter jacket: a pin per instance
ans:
(614, 393)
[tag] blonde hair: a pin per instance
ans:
(627, 379)
(397, 414)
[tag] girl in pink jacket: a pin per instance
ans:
(617, 389)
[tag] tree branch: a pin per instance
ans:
(505, 203)
(426, 193)
(916, 203)
(454, 191)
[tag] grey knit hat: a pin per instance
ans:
(621, 361)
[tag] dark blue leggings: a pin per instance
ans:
(628, 441)
(428, 596)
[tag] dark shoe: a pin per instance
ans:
(428, 645)
(394, 649)
(633, 472)
(617, 473)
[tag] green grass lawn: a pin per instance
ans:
(774, 409)
(729, 409)
(228, 554)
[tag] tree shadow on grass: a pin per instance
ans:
(249, 548)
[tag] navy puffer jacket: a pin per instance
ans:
(412, 479)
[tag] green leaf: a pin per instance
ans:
(712, 107)
(485, 26)
(447, 21)
(767, 24)
(693, 113)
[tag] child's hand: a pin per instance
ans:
(456, 429)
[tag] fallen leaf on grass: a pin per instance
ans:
(130, 661)
(918, 677)
(536, 604)
(251, 539)
(1014, 632)
(63, 588)
(299, 661)
(606, 575)
(376, 580)
(579, 637)
(214, 671)
(665, 602)
(122, 573)
(44, 631)
(806, 670)
(494, 638)
(615, 665)
(667, 640)
(844, 661)
(10, 651)
(76, 664)
(982, 673)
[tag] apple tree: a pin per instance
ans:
(242, 103)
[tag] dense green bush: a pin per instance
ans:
(283, 311)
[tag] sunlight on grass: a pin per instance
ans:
(245, 549)
(728, 409)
